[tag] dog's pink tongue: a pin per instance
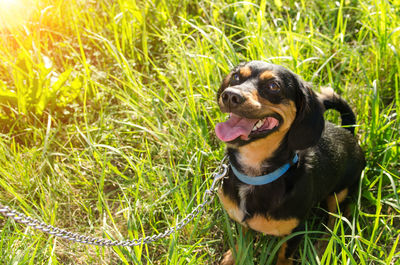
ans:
(234, 127)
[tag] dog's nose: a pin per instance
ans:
(232, 99)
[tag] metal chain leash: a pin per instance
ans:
(208, 197)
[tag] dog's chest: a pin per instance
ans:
(261, 223)
(232, 208)
(236, 211)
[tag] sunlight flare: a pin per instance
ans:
(14, 13)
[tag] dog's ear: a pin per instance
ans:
(309, 123)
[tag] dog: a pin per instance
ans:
(284, 157)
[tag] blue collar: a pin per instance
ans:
(265, 179)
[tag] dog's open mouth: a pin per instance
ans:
(244, 128)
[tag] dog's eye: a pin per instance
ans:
(236, 77)
(273, 86)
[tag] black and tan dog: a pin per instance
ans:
(285, 158)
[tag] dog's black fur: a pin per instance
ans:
(330, 160)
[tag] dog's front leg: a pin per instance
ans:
(286, 251)
(229, 258)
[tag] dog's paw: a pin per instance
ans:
(321, 246)
(228, 258)
(284, 262)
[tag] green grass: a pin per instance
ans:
(107, 115)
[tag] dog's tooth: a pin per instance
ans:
(258, 125)
(255, 127)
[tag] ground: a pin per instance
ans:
(107, 122)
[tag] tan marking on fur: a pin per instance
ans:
(332, 202)
(282, 260)
(287, 111)
(322, 244)
(271, 226)
(220, 103)
(253, 154)
(228, 258)
(230, 207)
(282, 251)
(225, 84)
(266, 75)
(245, 71)
(226, 81)
(252, 101)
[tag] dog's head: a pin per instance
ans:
(268, 101)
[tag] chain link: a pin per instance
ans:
(75, 237)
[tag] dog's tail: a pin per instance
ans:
(331, 100)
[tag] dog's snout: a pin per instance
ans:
(232, 99)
